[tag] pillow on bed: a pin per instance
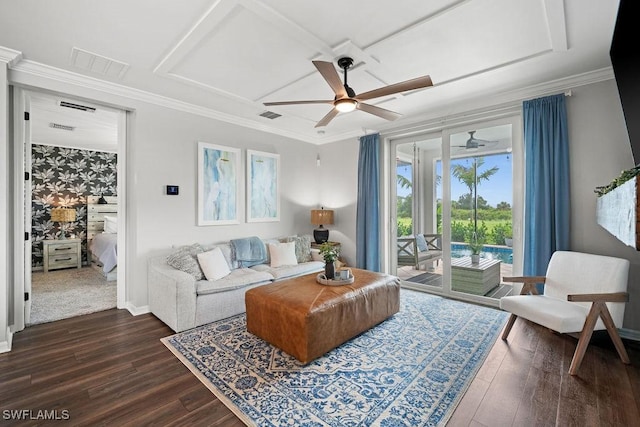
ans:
(110, 224)
(283, 254)
(213, 264)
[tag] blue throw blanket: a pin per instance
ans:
(248, 251)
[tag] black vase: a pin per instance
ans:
(329, 270)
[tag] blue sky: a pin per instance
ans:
(497, 189)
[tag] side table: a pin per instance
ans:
(61, 254)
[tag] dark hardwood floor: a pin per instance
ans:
(110, 368)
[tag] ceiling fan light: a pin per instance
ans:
(345, 105)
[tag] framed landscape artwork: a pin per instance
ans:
(263, 186)
(218, 186)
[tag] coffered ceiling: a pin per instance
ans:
(224, 58)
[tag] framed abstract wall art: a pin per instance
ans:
(263, 186)
(218, 184)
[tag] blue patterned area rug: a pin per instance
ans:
(411, 369)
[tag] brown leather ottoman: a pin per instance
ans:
(307, 319)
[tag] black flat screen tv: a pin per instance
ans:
(625, 58)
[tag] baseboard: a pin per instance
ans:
(5, 346)
(629, 334)
(137, 311)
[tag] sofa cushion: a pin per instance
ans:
(238, 278)
(226, 251)
(282, 254)
(560, 315)
(213, 264)
(303, 247)
(285, 271)
(185, 259)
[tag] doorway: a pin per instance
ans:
(457, 202)
(72, 156)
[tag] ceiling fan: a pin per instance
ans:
(474, 143)
(346, 99)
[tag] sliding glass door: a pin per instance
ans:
(418, 225)
(460, 192)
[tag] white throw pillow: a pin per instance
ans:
(110, 224)
(283, 254)
(213, 264)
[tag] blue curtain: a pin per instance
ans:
(547, 207)
(367, 216)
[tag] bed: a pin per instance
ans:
(102, 237)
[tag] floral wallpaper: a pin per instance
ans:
(64, 177)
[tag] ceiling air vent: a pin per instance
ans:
(270, 115)
(99, 64)
(77, 106)
(62, 127)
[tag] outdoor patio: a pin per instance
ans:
(433, 277)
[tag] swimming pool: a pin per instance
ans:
(502, 253)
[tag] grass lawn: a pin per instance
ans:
(490, 223)
(404, 225)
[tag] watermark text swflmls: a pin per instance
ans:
(30, 414)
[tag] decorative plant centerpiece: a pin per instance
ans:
(475, 244)
(330, 255)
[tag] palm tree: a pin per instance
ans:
(403, 181)
(470, 177)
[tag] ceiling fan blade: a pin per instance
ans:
(326, 119)
(377, 111)
(330, 74)
(296, 102)
(417, 83)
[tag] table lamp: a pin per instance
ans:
(63, 215)
(320, 217)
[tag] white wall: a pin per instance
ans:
(164, 151)
(338, 180)
(599, 151)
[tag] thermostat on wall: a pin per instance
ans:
(172, 190)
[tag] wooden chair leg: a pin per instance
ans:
(613, 333)
(509, 325)
(585, 337)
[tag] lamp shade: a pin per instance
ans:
(63, 215)
(321, 216)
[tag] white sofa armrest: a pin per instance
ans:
(172, 294)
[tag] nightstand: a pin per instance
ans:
(61, 254)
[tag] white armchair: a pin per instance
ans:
(582, 293)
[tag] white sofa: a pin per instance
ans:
(183, 302)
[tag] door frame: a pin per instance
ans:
(22, 211)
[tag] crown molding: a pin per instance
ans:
(498, 102)
(10, 56)
(36, 69)
(502, 104)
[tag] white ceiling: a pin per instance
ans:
(90, 130)
(227, 57)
